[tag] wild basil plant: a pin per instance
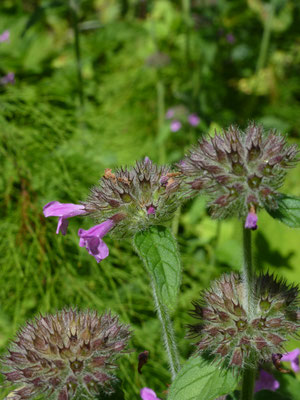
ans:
(243, 320)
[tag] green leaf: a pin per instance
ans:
(268, 395)
(288, 210)
(158, 250)
(199, 379)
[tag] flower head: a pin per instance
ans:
(170, 113)
(67, 355)
(293, 358)
(266, 381)
(175, 126)
(239, 170)
(9, 78)
(148, 394)
(63, 211)
(193, 119)
(239, 335)
(135, 198)
(4, 37)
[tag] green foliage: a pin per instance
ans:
(158, 251)
(288, 211)
(199, 379)
(51, 148)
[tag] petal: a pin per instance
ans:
(96, 248)
(62, 225)
(293, 357)
(148, 394)
(266, 381)
(290, 356)
(66, 210)
(251, 221)
(98, 230)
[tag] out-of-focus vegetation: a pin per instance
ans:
(93, 82)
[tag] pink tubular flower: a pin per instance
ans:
(63, 211)
(193, 119)
(4, 37)
(266, 382)
(148, 394)
(9, 78)
(175, 126)
(92, 239)
(293, 358)
(251, 221)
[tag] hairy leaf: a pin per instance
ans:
(288, 210)
(158, 250)
(198, 379)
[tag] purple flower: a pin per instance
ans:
(9, 78)
(170, 113)
(63, 211)
(251, 221)
(175, 126)
(146, 159)
(230, 38)
(4, 37)
(194, 119)
(293, 358)
(92, 239)
(148, 394)
(266, 382)
(151, 210)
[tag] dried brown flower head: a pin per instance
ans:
(69, 355)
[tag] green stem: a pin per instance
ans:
(249, 374)
(248, 382)
(168, 334)
(160, 91)
(265, 39)
(74, 8)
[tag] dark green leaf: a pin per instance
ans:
(268, 395)
(158, 250)
(199, 379)
(288, 210)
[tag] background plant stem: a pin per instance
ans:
(74, 9)
(248, 278)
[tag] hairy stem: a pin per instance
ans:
(168, 334)
(248, 278)
(248, 382)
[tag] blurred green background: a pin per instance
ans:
(93, 82)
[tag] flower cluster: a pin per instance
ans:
(238, 335)
(125, 202)
(180, 115)
(67, 355)
(239, 171)
(10, 77)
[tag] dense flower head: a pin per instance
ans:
(239, 335)
(69, 355)
(139, 197)
(239, 170)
